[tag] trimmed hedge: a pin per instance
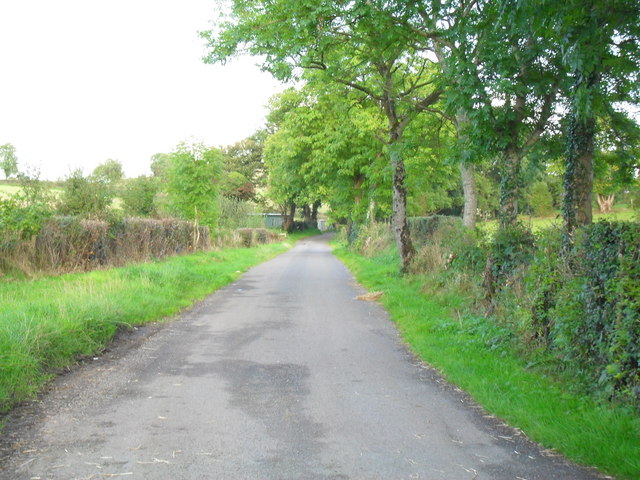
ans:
(71, 243)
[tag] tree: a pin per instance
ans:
(506, 77)
(322, 148)
(85, 196)
(600, 41)
(138, 195)
(244, 171)
(159, 164)
(8, 160)
(109, 171)
(358, 44)
(193, 178)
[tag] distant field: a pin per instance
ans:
(540, 223)
(7, 190)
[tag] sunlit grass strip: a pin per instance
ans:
(47, 324)
(583, 430)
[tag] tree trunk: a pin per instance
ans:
(314, 214)
(287, 223)
(509, 187)
(578, 177)
(306, 209)
(605, 202)
(399, 220)
(467, 172)
(577, 207)
(470, 192)
(371, 213)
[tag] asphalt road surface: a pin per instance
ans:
(281, 375)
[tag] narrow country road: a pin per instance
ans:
(281, 375)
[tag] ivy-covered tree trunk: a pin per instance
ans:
(399, 220)
(509, 187)
(578, 177)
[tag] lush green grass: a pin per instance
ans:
(462, 347)
(48, 323)
(621, 213)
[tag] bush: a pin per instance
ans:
(509, 254)
(371, 238)
(85, 196)
(72, 243)
(423, 228)
(19, 221)
(250, 237)
(138, 196)
(235, 213)
(597, 314)
(446, 244)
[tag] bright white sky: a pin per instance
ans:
(82, 81)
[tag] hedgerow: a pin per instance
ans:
(576, 311)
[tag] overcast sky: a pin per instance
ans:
(82, 81)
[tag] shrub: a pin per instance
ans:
(447, 244)
(423, 228)
(138, 195)
(249, 237)
(509, 253)
(72, 243)
(235, 213)
(85, 196)
(597, 314)
(371, 238)
(19, 221)
(546, 274)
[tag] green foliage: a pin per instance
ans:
(8, 160)
(85, 196)
(510, 252)
(138, 196)
(596, 326)
(372, 238)
(445, 245)
(160, 164)
(244, 170)
(109, 171)
(235, 185)
(20, 221)
(235, 213)
(540, 200)
(193, 182)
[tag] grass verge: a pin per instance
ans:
(49, 323)
(461, 346)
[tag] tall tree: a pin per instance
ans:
(109, 171)
(506, 78)
(600, 44)
(244, 171)
(360, 44)
(8, 160)
(192, 182)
